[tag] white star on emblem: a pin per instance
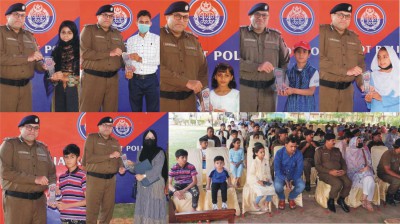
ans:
(110, 119)
(349, 8)
(111, 9)
(186, 7)
(36, 120)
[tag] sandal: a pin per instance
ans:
(369, 206)
(281, 204)
(257, 207)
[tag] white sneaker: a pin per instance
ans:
(215, 207)
(224, 205)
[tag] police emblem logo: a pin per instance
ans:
(81, 125)
(123, 127)
(207, 17)
(297, 18)
(370, 18)
(36, 119)
(122, 16)
(40, 16)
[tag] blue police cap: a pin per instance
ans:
(342, 7)
(31, 119)
(105, 8)
(330, 136)
(259, 7)
(105, 120)
(180, 6)
(15, 8)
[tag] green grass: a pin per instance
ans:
(183, 137)
(125, 210)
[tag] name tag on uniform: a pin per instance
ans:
(170, 44)
(191, 48)
(39, 154)
(352, 43)
(100, 143)
(23, 152)
(10, 38)
(248, 39)
(114, 38)
(115, 146)
(333, 39)
(97, 36)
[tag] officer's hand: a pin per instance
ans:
(135, 57)
(266, 66)
(194, 85)
(333, 173)
(354, 71)
(115, 155)
(42, 180)
(121, 170)
(130, 163)
(35, 56)
(116, 52)
(139, 177)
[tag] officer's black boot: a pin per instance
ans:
(390, 199)
(331, 205)
(308, 186)
(342, 204)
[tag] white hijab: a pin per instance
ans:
(384, 86)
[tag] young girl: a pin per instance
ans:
(301, 81)
(236, 158)
(224, 97)
(260, 177)
(385, 80)
(66, 57)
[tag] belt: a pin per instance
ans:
(100, 175)
(137, 76)
(100, 74)
(257, 84)
(30, 196)
(335, 85)
(176, 95)
(11, 82)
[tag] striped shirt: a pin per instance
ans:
(183, 175)
(149, 49)
(73, 187)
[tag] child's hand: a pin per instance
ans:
(230, 185)
(53, 205)
(180, 194)
(58, 192)
(368, 97)
(208, 188)
(62, 206)
(260, 183)
(376, 96)
(289, 91)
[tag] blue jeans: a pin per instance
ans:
(279, 184)
(148, 87)
(258, 198)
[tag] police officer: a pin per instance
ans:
(183, 69)
(26, 171)
(261, 50)
(332, 170)
(101, 50)
(19, 57)
(341, 61)
(102, 161)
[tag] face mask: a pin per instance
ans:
(149, 142)
(387, 68)
(360, 145)
(143, 28)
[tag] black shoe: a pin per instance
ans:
(308, 187)
(331, 205)
(390, 199)
(342, 204)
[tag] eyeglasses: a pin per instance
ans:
(107, 16)
(343, 16)
(178, 16)
(30, 128)
(259, 15)
(17, 15)
(107, 125)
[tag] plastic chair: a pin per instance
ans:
(376, 154)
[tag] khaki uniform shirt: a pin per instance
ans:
(182, 59)
(339, 53)
(15, 48)
(256, 49)
(326, 160)
(21, 164)
(391, 159)
(97, 154)
(96, 45)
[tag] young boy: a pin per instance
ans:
(217, 178)
(203, 147)
(184, 175)
(301, 81)
(72, 190)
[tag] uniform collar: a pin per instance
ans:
(22, 141)
(346, 32)
(74, 171)
(251, 28)
(109, 29)
(102, 137)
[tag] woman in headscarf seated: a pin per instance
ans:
(385, 78)
(360, 171)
